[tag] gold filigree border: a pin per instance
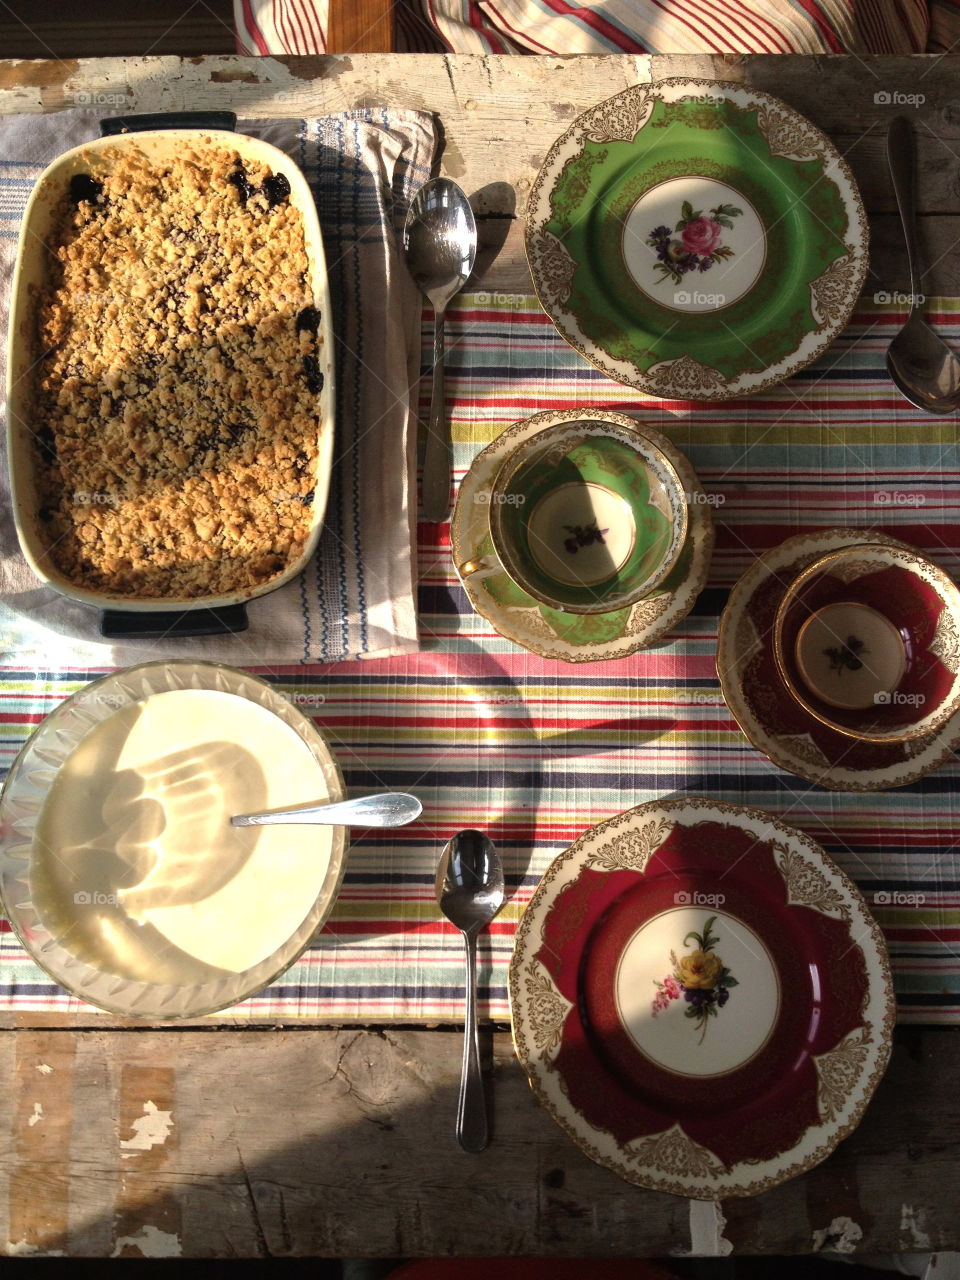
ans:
(782, 750)
(838, 1071)
(868, 936)
(806, 884)
(652, 617)
(857, 238)
(548, 1009)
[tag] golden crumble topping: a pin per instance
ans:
(175, 411)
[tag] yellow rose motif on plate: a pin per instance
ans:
(701, 980)
(701, 969)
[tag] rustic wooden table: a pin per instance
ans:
(246, 1142)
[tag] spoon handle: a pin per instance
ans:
(901, 161)
(389, 809)
(472, 1105)
(435, 492)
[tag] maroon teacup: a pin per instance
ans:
(867, 640)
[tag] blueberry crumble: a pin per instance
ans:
(175, 412)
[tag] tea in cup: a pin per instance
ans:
(586, 516)
(867, 641)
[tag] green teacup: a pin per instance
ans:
(586, 516)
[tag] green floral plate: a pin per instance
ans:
(573, 637)
(696, 239)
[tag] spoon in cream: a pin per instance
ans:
(389, 809)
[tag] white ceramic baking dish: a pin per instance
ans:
(210, 613)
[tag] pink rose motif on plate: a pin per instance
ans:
(698, 246)
(701, 236)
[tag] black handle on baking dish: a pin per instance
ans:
(116, 624)
(113, 125)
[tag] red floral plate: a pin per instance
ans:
(701, 998)
(766, 711)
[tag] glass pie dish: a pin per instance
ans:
(119, 870)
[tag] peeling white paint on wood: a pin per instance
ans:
(912, 1233)
(152, 1243)
(842, 1236)
(149, 1130)
(24, 1249)
(37, 1114)
(706, 1230)
(943, 1266)
(44, 1069)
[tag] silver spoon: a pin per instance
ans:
(390, 809)
(440, 240)
(920, 363)
(470, 892)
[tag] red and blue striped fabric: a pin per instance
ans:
(696, 26)
(536, 751)
(280, 26)
(612, 26)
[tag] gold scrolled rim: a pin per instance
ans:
(857, 240)
(655, 459)
(701, 532)
(777, 749)
(881, 1025)
(470, 568)
(910, 559)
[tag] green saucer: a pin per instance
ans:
(696, 239)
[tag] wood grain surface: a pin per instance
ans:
(361, 26)
(288, 1142)
(341, 1143)
(55, 28)
(500, 116)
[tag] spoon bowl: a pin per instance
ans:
(440, 243)
(470, 891)
(921, 365)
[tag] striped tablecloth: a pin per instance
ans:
(536, 751)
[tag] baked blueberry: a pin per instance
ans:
(276, 188)
(84, 188)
